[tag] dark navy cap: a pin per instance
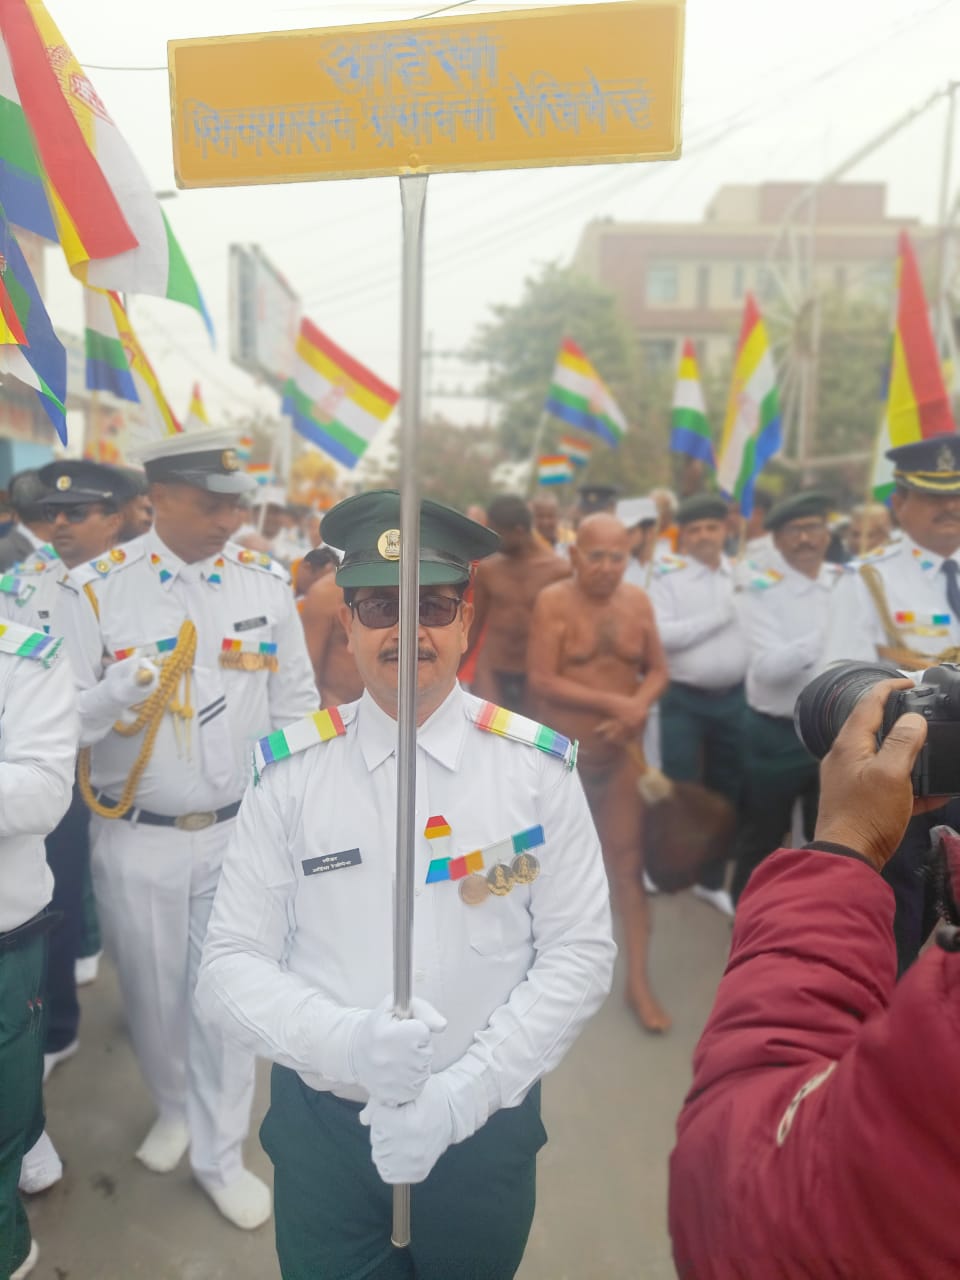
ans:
(932, 466)
(702, 506)
(799, 506)
(73, 482)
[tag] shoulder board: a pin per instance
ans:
(318, 726)
(256, 560)
(11, 584)
(112, 560)
(667, 564)
(761, 579)
(38, 563)
(886, 551)
(493, 719)
(24, 642)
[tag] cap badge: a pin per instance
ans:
(229, 460)
(945, 459)
(388, 544)
(63, 482)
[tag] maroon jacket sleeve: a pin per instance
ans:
(819, 1138)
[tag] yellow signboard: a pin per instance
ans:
(586, 84)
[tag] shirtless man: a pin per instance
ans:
(596, 667)
(334, 669)
(505, 588)
(546, 518)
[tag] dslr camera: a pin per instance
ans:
(825, 703)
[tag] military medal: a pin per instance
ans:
(474, 889)
(525, 868)
(500, 879)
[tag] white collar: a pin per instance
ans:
(441, 736)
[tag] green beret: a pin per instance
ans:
(931, 465)
(366, 528)
(702, 506)
(799, 506)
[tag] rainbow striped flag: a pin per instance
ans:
(578, 451)
(117, 363)
(245, 448)
(21, 179)
(196, 418)
(554, 468)
(689, 428)
(334, 401)
(579, 397)
(751, 428)
(918, 403)
(31, 352)
(113, 231)
(262, 472)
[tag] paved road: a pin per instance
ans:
(609, 1110)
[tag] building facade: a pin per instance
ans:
(678, 280)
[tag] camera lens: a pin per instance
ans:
(826, 702)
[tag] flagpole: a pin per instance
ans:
(535, 452)
(413, 197)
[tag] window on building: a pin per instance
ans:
(878, 282)
(662, 285)
(658, 353)
(766, 284)
(739, 280)
(703, 286)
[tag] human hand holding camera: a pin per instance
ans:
(866, 792)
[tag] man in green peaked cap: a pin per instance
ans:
(508, 963)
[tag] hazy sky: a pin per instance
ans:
(777, 90)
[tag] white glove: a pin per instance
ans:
(390, 1057)
(129, 681)
(407, 1141)
(119, 689)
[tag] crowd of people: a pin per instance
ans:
(175, 641)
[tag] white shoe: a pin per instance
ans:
(163, 1147)
(86, 968)
(719, 899)
(27, 1265)
(245, 1201)
(51, 1060)
(41, 1167)
(649, 887)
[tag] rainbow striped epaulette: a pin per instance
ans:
(759, 579)
(109, 562)
(255, 560)
(24, 642)
(318, 726)
(493, 719)
(667, 564)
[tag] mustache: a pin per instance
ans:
(392, 654)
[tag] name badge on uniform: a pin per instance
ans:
(250, 624)
(331, 862)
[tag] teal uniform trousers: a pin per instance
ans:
(469, 1219)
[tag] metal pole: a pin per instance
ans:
(413, 197)
(942, 312)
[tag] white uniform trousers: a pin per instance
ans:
(154, 888)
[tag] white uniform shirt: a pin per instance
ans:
(38, 746)
(42, 592)
(916, 593)
(289, 957)
(784, 615)
(698, 622)
(641, 575)
(144, 599)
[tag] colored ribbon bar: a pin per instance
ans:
(441, 869)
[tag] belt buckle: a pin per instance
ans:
(195, 821)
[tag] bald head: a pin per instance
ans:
(546, 516)
(600, 554)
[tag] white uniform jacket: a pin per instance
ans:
(300, 939)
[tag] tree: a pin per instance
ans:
(520, 346)
(455, 464)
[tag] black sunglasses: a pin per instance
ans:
(72, 515)
(379, 612)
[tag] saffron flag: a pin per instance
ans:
(31, 352)
(751, 428)
(689, 428)
(21, 181)
(554, 468)
(108, 220)
(334, 401)
(579, 397)
(578, 451)
(918, 404)
(117, 363)
(196, 418)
